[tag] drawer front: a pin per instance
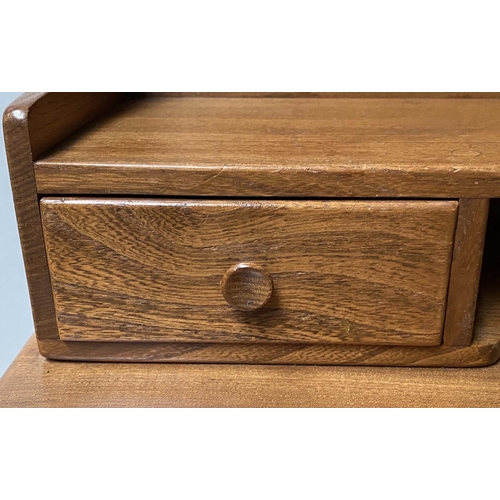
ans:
(367, 272)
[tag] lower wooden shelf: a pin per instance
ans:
(33, 381)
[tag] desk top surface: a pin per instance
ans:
(32, 381)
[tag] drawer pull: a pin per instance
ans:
(247, 286)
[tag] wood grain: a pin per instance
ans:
(22, 178)
(284, 147)
(32, 124)
(465, 271)
(439, 145)
(343, 271)
(484, 350)
(32, 381)
(247, 286)
(54, 116)
(330, 95)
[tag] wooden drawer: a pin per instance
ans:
(361, 220)
(362, 272)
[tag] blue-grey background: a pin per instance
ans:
(16, 322)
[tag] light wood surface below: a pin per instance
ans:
(32, 381)
(365, 272)
(284, 147)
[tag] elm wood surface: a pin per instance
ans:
(365, 272)
(32, 124)
(37, 132)
(329, 95)
(284, 147)
(465, 271)
(32, 381)
(485, 349)
(54, 116)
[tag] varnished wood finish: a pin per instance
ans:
(335, 95)
(314, 145)
(32, 124)
(283, 147)
(22, 178)
(247, 286)
(54, 116)
(484, 350)
(365, 272)
(32, 381)
(465, 271)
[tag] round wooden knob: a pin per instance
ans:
(247, 286)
